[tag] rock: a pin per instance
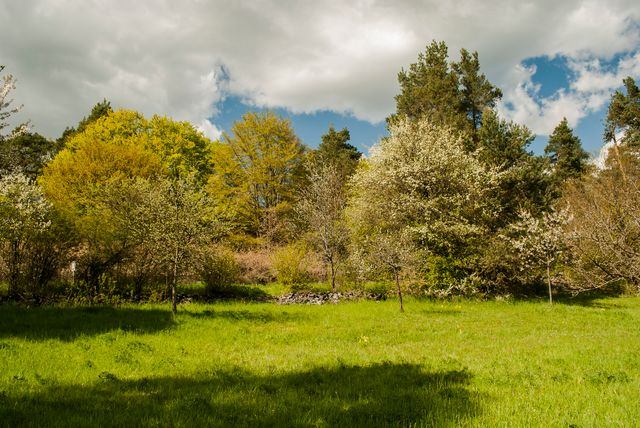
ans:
(320, 298)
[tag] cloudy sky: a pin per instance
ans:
(318, 62)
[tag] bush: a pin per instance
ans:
(291, 264)
(219, 269)
(256, 266)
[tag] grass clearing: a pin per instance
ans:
(462, 363)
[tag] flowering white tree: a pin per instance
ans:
(24, 215)
(6, 110)
(540, 241)
(420, 184)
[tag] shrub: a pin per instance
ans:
(290, 264)
(255, 266)
(219, 269)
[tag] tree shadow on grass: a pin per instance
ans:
(244, 315)
(588, 299)
(379, 395)
(68, 323)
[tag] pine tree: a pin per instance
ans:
(445, 93)
(334, 150)
(565, 152)
(624, 115)
(429, 89)
(477, 92)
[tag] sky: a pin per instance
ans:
(319, 63)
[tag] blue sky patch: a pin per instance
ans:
(552, 74)
(309, 127)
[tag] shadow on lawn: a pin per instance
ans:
(244, 315)
(67, 323)
(588, 299)
(380, 395)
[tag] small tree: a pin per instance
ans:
(540, 241)
(184, 226)
(321, 208)
(391, 251)
(24, 218)
(169, 220)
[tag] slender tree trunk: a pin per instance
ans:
(333, 275)
(174, 283)
(549, 281)
(396, 272)
(14, 269)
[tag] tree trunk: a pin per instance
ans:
(333, 275)
(174, 284)
(549, 281)
(14, 269)
(397, 275)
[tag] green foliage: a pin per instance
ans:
(444, 272)
(26, 153)
(502, 144)
(291, 264)
(565, 152)
(478, 94)
(335, 151)
(257, 171)
(131, 188)
(218, 269)
(623, 115)
(99, 110)
(523, 182)
(430, 89)
(454, 94)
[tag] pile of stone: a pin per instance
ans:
(321, 298)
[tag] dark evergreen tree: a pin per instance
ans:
(429, 88)
(524, 182)
(99, 110)
(446, 93)
(565, 153)
(336, 151)
(624, 115)
(26, 153)
(478, 93)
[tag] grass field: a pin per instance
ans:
(353, 364)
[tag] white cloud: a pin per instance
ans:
(165, 57)
(209, 130)
(588, 92)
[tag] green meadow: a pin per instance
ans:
(466, 363)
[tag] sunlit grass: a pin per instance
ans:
(353, 364)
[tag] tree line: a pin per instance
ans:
(451, 202)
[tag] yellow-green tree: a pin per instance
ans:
(258, 170)
(117, 147)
